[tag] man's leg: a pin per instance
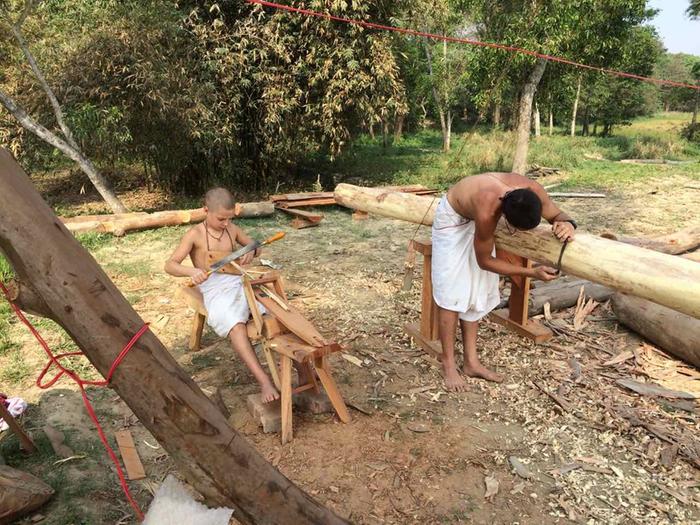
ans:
(241, 344)
(472, 365)
(447, 327)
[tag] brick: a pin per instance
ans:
(266, 414)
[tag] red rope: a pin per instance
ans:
(54, 360)
(493, 45)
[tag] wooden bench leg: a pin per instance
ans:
(24, 439)
(324, 374)
(286, 399)
(271, 364)
(196, 332)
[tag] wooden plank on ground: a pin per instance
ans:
(306, 215)
(130, 457)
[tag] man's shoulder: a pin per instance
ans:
(195, 233)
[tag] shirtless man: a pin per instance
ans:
(464, 266)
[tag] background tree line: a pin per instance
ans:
(196, 91)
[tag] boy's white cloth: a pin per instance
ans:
(225, 301)
(459, 283)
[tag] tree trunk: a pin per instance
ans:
(676, 333)
(371, 130)
(536, 120)
(447, 134)
(551, 121)
(664, 279)
(575, 110)
(595, 128)
(398, 126)
(497, 115)
(385, 134)
(563, 293)
(217, 460)
(525, 116)
(99, 182)
(585, 130)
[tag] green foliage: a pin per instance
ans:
(93, 241)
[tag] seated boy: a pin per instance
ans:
(224, 297)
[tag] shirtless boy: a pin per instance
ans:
(224, 297)
(465, 269)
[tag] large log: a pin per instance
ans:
(673, 243)
(677, 333)
(215, 458)
(120, 224)
(663, 279)
(563, 293)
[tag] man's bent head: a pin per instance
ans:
(522, 208)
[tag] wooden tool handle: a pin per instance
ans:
(190, 284)
(276, 237)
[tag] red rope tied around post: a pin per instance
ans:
(493, 45)
(54, 360)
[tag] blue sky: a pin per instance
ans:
(678, 33)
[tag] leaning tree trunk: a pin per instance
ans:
(525, 116)
(575, 110)
(665, 279)
(76, 293)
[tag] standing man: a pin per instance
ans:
(465, 269)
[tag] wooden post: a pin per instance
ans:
(214, 457)
(516, 316)
(24, 439)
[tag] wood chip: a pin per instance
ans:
(491, 487)
(565, 469)
(520, 468)
(415, 426)
(352, 359)
(620, 358)
(652, 389)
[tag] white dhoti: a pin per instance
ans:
(459, 283)
(226, 303)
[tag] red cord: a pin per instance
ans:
(54, 361)
(413, 32)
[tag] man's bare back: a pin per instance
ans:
(479, 196)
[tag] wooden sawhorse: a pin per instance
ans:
(284, 332)
(426, 333)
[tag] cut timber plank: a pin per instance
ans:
(294, 321)
(306, 215)
(299, 224)
(286, 399)
(324, 374)
(132, 462)
(302, 196)
(310, 202)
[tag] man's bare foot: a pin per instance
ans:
(269, 393)
(481, 371)
(454, 382)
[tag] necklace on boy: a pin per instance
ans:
(211, 235)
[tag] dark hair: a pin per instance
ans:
(522, 208)
(219, 198)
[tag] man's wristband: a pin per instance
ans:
(573, 223)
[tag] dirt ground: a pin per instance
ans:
(413, 452)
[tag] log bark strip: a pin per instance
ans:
(671, 281)
(215, 458)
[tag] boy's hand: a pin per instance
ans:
(198, 276)
(564, 231)
(544, 273)
(247, 258)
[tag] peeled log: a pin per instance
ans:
(255, 209)
(676, 333)
(563, 293)
(120, 224)
(217, 460)
(663, 279)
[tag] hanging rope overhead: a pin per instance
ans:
(468, 41)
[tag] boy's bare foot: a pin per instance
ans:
(269, 393)
(454, 382)
(481, 371)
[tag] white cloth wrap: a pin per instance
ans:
(225, 301)
(459, 283)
